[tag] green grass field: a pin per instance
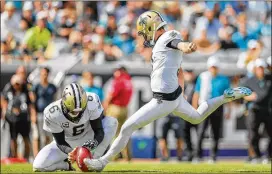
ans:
(157, 167)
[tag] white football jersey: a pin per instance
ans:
(165, 64)
(55, 121)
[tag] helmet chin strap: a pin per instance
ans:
(152, 42)
(73, 115)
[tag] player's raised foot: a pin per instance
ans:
(96, 165)
(236, 93)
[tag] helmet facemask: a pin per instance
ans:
(75, 113)
(74, 101)
(147, 43)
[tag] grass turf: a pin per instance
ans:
(157, 167)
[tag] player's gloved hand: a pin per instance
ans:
(72, 155)
(90, 144)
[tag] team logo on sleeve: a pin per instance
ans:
(173, 34)
(98, 101)
(65, 125)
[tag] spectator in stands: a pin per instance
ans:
(9, 49)
(75, 40)
(117, 100)
(171, 11)
(117, 9)
(38, 6)
(225, 39)
(190, 81)
(124, 41)
(191, 10)
(88, 85)
(185, 34)
(111, 26)
(53, 16)
(225, 32)
(91, 11)
(37, 38)
(253, 52)
(210, 84)
(208, 24)
(260, 109)
(111, 53)
(264, 26)
(67, 23)
(142, 51)
(18, 112)
(230, 13)
(9, 21)
(243, 36)
(27, 18)
(206, 31)
(44, 94)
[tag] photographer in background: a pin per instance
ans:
(18, 111)
(260, 108)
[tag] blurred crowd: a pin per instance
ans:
(105, 31)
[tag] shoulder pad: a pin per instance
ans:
(165, 38)
(93, 101)
(171, 35)
(53, 110)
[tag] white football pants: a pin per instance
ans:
(51, 158)
(155, 110)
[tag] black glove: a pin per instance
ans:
(90, 144)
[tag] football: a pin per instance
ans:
(83, 153)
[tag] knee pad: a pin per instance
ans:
(38, 166)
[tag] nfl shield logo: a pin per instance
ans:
(65, 125)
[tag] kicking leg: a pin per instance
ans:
(145, 115)
(50, 158)
(190, 114)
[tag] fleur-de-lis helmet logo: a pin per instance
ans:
(143, 21)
